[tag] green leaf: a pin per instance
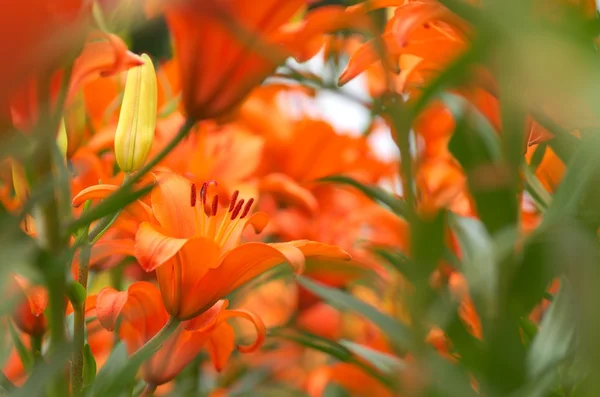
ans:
(89, 366)
(332, 348)
(479, 263)
(116, 375)
(384, 362)
(44, 372)
(555, 340)
(24, 353)
(397, 332)
(536, 190)
(109, 206)
(375, 193)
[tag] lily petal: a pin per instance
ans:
(221, 344)
(175, 218)
(153, 247)
(109, 305)
(179, 276)
(287, 188)
(208, 319)
(261, 331)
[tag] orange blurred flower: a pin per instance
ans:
(143, 315)
(219, 65)
(35, 35)
(29, 312)
(98, 59)
(227, 48)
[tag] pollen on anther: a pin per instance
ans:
(203, 193)
(237, 209)
(247, 208)
(193, 195)
(233, 200)
(215, 205)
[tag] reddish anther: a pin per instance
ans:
(237, 209)
(203, 193)
(193, 195)
(247, 208)
(215, 205)
(232, 203)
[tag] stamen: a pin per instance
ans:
(203, 193)
(237, 209)
(247, 208)
(215, 205)
(193, 195)
(234, 197)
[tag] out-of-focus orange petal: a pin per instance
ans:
(37, 297)
(109, 305)
(101, 59)
(286, 187)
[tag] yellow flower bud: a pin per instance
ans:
(62, 139)
(137, 120)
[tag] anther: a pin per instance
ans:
(233, 200)
(237, 209)
(193, 195)
(203, 193)
(215, 205)
(247, 208)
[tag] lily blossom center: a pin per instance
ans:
(210, 221)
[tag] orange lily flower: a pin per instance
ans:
(241, 46)
(239, 60)
(35, 35)
(143, 315)
(195, 246)
(98, 58)
(29, 313)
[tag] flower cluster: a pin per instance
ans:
(174, 183)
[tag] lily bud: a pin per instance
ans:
(137, 120)
(62, 140)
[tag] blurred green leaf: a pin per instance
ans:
(332, 348)
(116, 375)
(397, 332)
(555, 340)
(109, 206)
(536, 190)
(25, 355)
(384, 362)
(479, 264)
(89, 366)
(375, 193)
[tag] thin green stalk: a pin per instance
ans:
(79, 323)
(157, 340)
(183, 132)
(36, 347)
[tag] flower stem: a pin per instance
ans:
(183, 132)
(79, 323)
(146, 351)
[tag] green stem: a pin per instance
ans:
(148, 390)
(183, 132)
(79, 324)
(156, 341)
(36, 347)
